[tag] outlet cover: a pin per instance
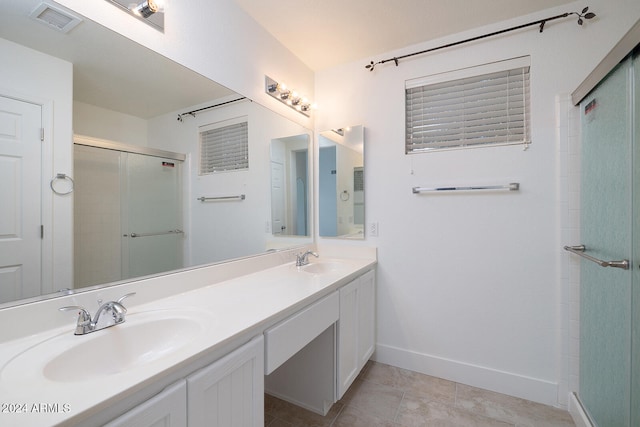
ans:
(373, 229)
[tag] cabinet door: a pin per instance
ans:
(230, 391)
(166, 409)
(348, 337)
(356, 329)
(366, 317)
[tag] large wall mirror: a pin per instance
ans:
(121, 187)
(341, 183)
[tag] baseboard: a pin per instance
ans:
(534, 389)
(578, 413)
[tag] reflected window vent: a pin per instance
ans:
(358, 179)
(55, 18)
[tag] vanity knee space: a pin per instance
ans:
(330, 339)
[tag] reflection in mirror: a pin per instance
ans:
(120, 95)
(341, 183)
(127, 212)
(290, 186)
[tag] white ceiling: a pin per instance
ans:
(324, 33)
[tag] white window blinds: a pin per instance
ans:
(476, 110)
(224, 148)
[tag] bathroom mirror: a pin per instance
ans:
(124, 93)
(341, 183)
(290, 186)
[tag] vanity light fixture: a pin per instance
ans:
(151, 12)
(282, 93)
(145, 9)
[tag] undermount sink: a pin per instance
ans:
(322, 267)
(142, 339)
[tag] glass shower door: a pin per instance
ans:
(152, 215)
(606, 293)
(635, 232)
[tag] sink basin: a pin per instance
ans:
(323, 267)
(142, 339)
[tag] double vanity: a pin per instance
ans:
(197, 347)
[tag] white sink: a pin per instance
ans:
(142, 339)
(323, 267)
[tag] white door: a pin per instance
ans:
(278, 225)
(20, 196)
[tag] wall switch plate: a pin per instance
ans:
(373, 229)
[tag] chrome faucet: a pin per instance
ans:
(85, 325)
(303, 258)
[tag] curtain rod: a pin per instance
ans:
(541, 22)
(193, 112)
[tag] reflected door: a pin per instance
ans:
(606, 294)
(277, 199)
(20, 217)
(152, 215)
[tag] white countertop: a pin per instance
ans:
(235, 310)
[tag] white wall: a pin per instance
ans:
(469, 286)
(42, 79)
(97, 122)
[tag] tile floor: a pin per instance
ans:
(387, 396)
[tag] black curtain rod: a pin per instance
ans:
(193, 112)
(584, 14)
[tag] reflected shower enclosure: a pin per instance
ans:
(127, 215)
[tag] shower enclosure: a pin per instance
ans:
(127, 215)
(609, 388)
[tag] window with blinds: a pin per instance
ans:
(224, 147)
(479, 106)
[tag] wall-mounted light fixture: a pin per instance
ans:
(288, 96)
(150, 12)
(145, 8)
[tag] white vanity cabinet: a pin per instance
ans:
(230, 391)
(356, 329)
(166, 409)
(227, 393)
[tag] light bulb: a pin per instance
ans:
(145, 9)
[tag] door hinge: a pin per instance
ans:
(42, 134)
(42, 231)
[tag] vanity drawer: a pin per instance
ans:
(291, 335)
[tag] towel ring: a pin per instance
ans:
(62, 177)
(344, 196)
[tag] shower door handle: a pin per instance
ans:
(162, 233)
(580, 249)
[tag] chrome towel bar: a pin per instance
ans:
(513, 186)
(580, 249)
(161, 233)
(218, 198)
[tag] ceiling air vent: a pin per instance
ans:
(55, 18)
